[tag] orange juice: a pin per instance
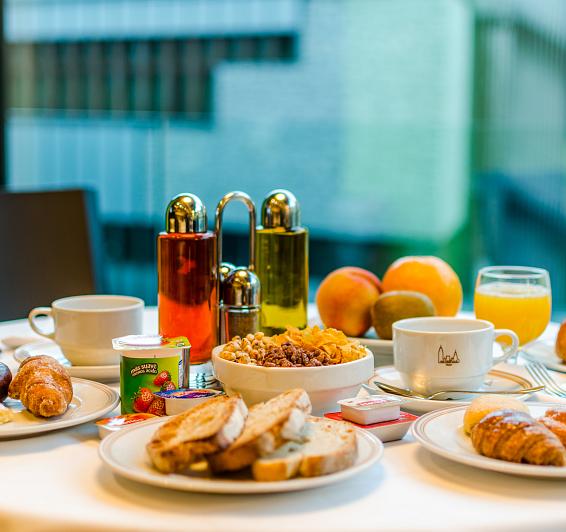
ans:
(523, 308)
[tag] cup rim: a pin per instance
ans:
(398, 325)
(130, 302)
(521, 272)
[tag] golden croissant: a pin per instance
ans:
(517, 437)
(43, 386)
(555, 421)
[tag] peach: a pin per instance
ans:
(345, 299)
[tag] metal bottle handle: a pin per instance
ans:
(244, 198)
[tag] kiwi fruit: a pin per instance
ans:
(398, 305)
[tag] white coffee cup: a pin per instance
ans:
(85, 325)
(434, 354)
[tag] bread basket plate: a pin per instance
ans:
(496, 380)
(108, 373)
(441, 433)
(124, 452)
(91, 400)
(543, 351)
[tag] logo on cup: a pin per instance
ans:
(447, 360)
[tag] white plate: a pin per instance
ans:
(91, 400)
(442, 433)
(95, 373)
(496, 380)
(543, 351)
(124, 452)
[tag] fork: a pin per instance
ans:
(540, 375)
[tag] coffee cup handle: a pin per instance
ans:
(40, 311)
(508, 351)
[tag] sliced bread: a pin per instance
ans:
(329, 446)
(268, 426)
(205, 429)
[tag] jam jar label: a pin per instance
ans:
(140, 378)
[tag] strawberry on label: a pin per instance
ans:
(142, 400)
(162, 377)
(169, 385)
(157, 406)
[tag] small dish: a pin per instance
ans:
(387, 430)
(543, 351)
(496, 380)
(94, 373)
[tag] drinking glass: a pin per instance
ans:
(516, 298)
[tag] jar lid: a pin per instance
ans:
(135, 342)
(186, 213)
(241, 288)
(373, 402)
(280, 208)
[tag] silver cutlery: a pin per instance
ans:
(389, 388)
(541, 375)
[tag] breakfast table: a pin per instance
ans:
(56, 481)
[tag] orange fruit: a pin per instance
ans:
(430, 276)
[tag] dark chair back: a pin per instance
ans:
(50, 247)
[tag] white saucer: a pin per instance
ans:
(442, 433)
(125, 453)
(91, 400)
(95, 373)
(543, 351)
(496, 380)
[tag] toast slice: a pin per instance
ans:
(268, 426)
(205, 429)
(329, 446)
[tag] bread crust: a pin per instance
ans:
(308, 459)
(192, 435)
(262, 433)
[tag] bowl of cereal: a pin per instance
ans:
(324, 362)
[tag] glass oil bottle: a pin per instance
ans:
(281, 260)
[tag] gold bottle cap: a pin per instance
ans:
(241, 289)
(280, 208)
(186, 213)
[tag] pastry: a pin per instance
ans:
(485, 404)
(517, 437)
(556, 427)
(43, 386)
(559, 414)
(560, 345)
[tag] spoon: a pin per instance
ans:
(409, 393)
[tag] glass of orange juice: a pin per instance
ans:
(516, 298)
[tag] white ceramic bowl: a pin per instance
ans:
(326, 385)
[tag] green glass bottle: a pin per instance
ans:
(281, 260)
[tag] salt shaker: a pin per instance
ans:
(240, 307)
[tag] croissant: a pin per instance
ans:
(559, 414)
(517, 437)
(43, 386)
(556, 427)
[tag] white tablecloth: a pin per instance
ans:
(56, 482)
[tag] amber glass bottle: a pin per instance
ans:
(187, 277)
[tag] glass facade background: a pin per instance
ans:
(403, 126)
